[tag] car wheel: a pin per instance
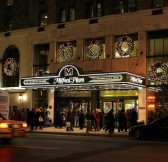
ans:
(139, 135)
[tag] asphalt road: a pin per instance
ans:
(73, 148)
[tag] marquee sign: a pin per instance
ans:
(70, 75)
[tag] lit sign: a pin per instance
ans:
(136, 80)
(70, 75)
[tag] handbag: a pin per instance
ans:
(40, 119)
(68, 124)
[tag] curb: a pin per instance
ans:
(80, 134)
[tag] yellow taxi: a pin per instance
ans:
(12, 128)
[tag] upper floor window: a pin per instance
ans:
(43, 18)
(63, 16)
(67, 13)
(9, 2)
(10, 67)
(99, 9)
(66, 51)
(94, 49)
(40, 59)
(90, 12)
(124, 6)
(71, 14)
(126, 46)
(158, 3)
(94, 9)
(157, 43)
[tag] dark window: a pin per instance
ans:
(71, 14)
(124, 6)
(41, 53)
(89, 11)
(42, 18)
(158, 3)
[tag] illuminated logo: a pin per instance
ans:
(68, 71)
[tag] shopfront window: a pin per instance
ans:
(126, 46)
(66, 51)
(94, 49)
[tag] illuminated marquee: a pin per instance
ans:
(70, 75)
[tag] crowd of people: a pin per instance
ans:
(95, 119)
(36, 118)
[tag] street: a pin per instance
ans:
(73, 148)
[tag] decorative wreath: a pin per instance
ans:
(125, 46)
(158, 72)
(94, 49)
(66, 51)
(10, 67)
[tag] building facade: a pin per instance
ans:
(117, 50)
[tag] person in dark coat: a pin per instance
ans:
(31, 118)
(110, 122)
(70, 118)
(81, 119)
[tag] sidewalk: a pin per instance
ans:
(77, 131)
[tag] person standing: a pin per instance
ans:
(31, 118)
(88, 121)
(70, 119)
(110, 121)
(81, 119)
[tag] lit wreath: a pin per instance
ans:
(66, 51)
(158, 78)
(127, 41)
(94, 49)
(10, 67)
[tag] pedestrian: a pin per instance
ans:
(133, 117)
(70, 120)
(110, 122)
(81, 119)
(31, 118)
(88, 121)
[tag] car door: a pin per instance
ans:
(163, 130)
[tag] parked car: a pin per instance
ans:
(157, 129)
(12, 128)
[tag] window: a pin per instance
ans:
(40, 66)
(157, 43)
(158, 3)
(157, 57)
(10, 67)
(40, 98)
(63, 16)
(66, 51)
(126, 46)
(71, 14)
(124, 6)
(119, 6)
(90, 12)
(131, 5)
(94, 49)
(9, 2)
(99, 9)
(43, 18)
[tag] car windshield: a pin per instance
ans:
(159, 120)
(1, 116)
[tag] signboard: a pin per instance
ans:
(69, 75)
